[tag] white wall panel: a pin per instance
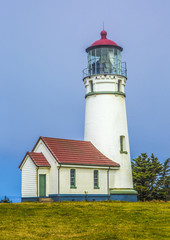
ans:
(29, 179)
(84, 181)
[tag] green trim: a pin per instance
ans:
(96, 187)
(125, 152)
(73, 187)
(123, 191)
(105, 92)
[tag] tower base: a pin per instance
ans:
(128, 195)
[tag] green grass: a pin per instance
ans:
(85, 220)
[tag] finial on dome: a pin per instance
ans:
(103, 34)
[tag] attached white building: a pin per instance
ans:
(98, 168)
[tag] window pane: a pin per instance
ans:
(91, 86)
(122, 143)
(96, 182)
(72, 177)
(89, 61)
(119, 86)
(93, 61)
(111, 62)
(98, 60)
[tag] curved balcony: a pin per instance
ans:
(111, 70)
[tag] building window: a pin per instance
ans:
(122, 145)
(91, 86)
(96, 179)
(119, 85)
(72, 178)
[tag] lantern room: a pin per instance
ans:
(104, 57)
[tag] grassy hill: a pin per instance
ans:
(85, 220)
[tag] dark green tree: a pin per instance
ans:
(166, 171)
(5, 200)
(147, 172)
(164, 183)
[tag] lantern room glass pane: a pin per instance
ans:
(89, 57)
(93, 61)
(105, 60)
(98, 57)
(111, 59)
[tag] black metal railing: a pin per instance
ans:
(114, 70)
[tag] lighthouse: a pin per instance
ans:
(98, 168)
(105, 114)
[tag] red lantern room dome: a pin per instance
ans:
(104, 42)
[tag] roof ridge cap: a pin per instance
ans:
(66, 139)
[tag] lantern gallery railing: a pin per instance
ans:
(115, 70)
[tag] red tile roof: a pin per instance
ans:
(38, 159)
(76, 152)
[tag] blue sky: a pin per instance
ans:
(42, 55)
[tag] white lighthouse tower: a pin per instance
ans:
(105, 116)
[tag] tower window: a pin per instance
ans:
(119, 86)
(122, 144)
(72, 178)
(96, 179)
(91, 86)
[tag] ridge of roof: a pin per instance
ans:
(65, 139)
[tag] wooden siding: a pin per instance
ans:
(29, 179)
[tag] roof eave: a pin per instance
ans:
(97, 46)
(23, 160)
(93, 165)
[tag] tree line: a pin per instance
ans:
(151, 178)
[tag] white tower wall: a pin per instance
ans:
(106, 121)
